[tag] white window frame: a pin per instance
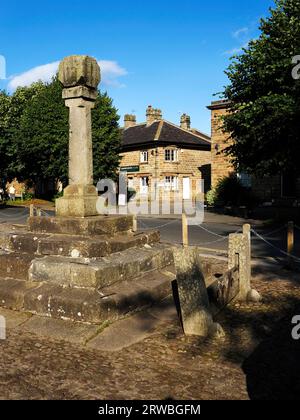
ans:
(171, 155)
(171, 183)
(144, 156)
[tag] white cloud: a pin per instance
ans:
(237, 50)
(111, 71)
(240, 33)
(43, 73)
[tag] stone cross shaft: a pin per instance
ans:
(80, 143)
(80, 76)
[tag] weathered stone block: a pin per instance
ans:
(85, 206)
(239, 255)
(89, 226)
(194, 304)
(12, 293)
(39, 300)
(15, 265)
(102, 272)
(79, 70)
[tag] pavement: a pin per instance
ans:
(148, 357)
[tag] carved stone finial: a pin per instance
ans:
(79, 70)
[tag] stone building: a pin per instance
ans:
(220, 165)
(283, 186)
(161, 157)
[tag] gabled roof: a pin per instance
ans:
(163, 133)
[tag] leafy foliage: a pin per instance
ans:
(229, 191)
(106, 138)
(264, 117)
(42, 136)
(34, 134)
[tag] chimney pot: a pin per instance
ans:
(129, 121)
(185, 122)
(153, 115)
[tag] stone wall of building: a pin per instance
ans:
(267, 188)
(188, 165)
(220, 165)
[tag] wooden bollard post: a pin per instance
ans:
(290, 242)
(39, 212)
(31, 210)
(185, 231)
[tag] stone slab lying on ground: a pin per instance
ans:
(125, 333)
(165, 310)
(60, 330)
(14, 319)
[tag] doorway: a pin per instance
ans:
(186, 194)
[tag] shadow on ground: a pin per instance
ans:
(273, 369)
(260, 339)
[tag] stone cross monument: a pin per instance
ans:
(80, 77)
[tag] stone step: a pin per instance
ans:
(101, 272)
(15, 265)
(73, 246)
(87, 226)
(83, 305)
(76, 246)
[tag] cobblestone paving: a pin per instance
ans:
(256, 359)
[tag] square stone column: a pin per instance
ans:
(80, 76)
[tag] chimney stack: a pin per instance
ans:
(185, 122)
(129, 121)
(153, 115)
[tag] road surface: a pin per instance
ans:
(212, 234)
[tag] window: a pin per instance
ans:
(130, 183)
(144, 157)
(171, 155)
(171, 183)
(245, 180)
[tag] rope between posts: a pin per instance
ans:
(157, 227)
(273, 246)
(216, 234)
(45, 213)
(297, 227)
(275, 231)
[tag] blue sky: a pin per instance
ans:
(169, 54)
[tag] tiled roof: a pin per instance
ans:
(163, 133)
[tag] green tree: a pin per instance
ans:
(106, 138)
(11, 110)
(264, 118)
(5, 100)
(41, 141)
(42, 138)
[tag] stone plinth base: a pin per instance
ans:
(78, 201)
(88, 226)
